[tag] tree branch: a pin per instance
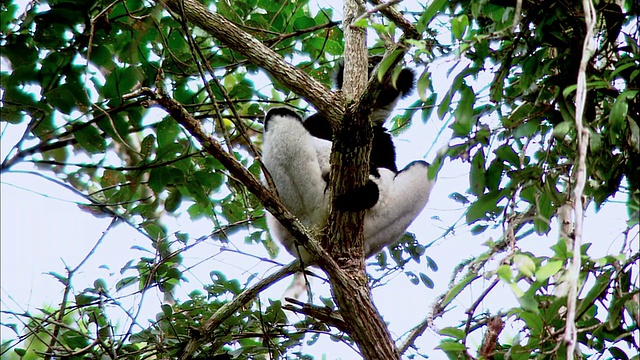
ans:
(223, 313)
(321, 313)
(350, 169)
(228, 33)
(396, 17)
(494, 328)
(580, 175)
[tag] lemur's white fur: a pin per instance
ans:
(299, 165)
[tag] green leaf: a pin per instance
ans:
(182, 237)
(528, 129)
(63, 279)
(453, 332)
(529, 303)
(478, 229)
(485, 207)
(427, 107)
(533, 321)
(155, 232)
(424, 84)
(100, 286)
(443, 108)
(167, 310)
(459, 198)
(620, 108)
(632, 307)
(111, 178)
(7, 344)
(146, 146)
(123, 283)
(562, 129)
(525, 264)
(102, 56)
(602, 283)
(210, 180)
(598, 84)
(91, 140)
(412, 277)
(105, 332)
(386, 63)
(429, 13)
(121, 82)
(328, 302)
(457, 288)
(160, 177)
(549, 269)
(459, 25)
(85, 299)
(304, 22)
(167, 132)
(173, 201)
(362, 23)
(62, 99)
(505, 273)
(75, 340)
(617, 353)
(464, 112)
(544, 211)
(495, 174)
(519, 115)
(451, 346)
(431, 264)
(426, 281)
(477, 174)
(506, 153)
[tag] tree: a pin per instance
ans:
(556, 130)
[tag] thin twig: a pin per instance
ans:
(376, 9)
(580, 174)
(67, 287)
(474, 306)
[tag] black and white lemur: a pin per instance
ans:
(296, 154)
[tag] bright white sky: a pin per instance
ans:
(42, 229)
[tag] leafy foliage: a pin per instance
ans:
(73, 81)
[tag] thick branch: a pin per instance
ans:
(229, 34)
(350, 169)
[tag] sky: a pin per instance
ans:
(43, 230)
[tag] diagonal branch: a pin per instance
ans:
(232, 36)
(396, 17)
(267, 197)
(232, 306)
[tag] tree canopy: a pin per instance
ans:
(153, 109)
